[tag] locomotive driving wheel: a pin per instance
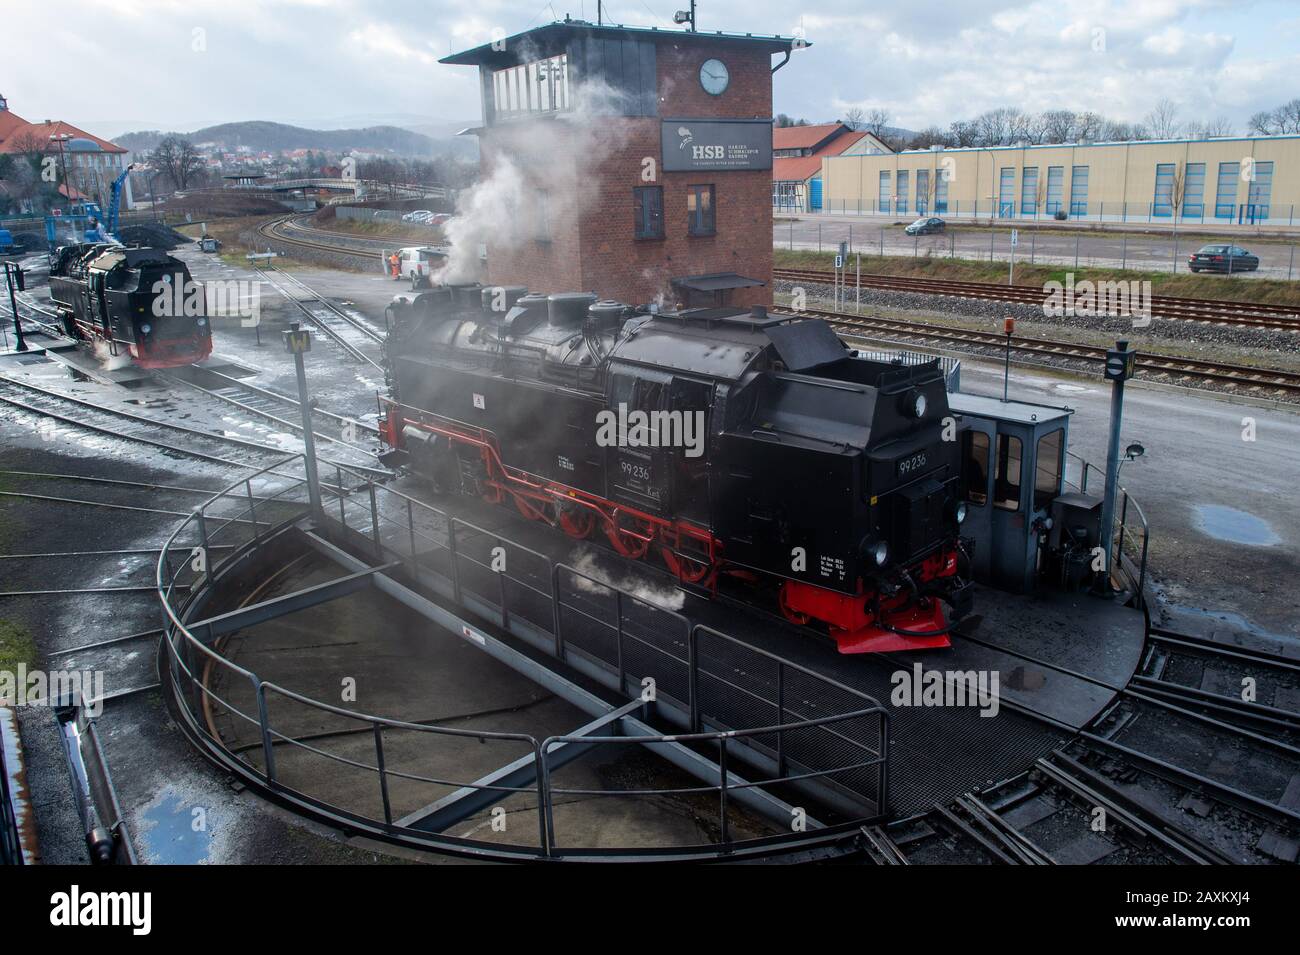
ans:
(631, 542)
(688, 569)
(534, 510)
(578, 522)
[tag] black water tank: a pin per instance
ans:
(434, 301)
(605, 314)
(569, 309)
(501, 298)
(468, 295)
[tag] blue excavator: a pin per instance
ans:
(97, 227)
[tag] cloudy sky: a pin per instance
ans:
(115, 65)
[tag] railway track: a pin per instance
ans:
(279, 409)
(1238, 379)
(1208, 311)
(277, 229)
(330, 320)
(72, 414)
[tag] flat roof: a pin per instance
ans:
(1114, 142)
(1024, 412)
(496, 50)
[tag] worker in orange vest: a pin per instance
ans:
(395, 265)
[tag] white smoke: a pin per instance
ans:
(586, 560)
(557, 155)
(109, 361)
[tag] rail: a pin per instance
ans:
(792, 725)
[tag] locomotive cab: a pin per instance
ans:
(1013, 464)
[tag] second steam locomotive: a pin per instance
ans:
(729, 443)
(132, 301)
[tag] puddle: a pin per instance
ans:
(168, 834)
(1234, 526)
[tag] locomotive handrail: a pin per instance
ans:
(193, 659)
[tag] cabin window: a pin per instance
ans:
(977, 467)
(1006, 486)
(1047, 474)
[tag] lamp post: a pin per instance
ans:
(297, 342)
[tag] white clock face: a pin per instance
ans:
(714, 77)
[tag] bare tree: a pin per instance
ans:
(1162, 121)
(1087, 127)
(1272, 122)
(1219, 126)
(178, 160)
(855, 117)
(876, 122)
(1059, 125)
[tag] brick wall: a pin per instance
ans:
(593, 245)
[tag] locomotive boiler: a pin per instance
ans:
(730, 444)
(141, 302)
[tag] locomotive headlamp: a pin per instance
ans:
(959, 512)
(918, 406)
(146, 328)
(880, 552)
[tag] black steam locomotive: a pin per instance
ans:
(731, 442)
(135, 301)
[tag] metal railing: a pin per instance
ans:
(1131, 562)
(793, 725)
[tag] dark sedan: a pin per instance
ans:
(926, 225)
(1222, 258)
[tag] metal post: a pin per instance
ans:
(618, 652)
(410, 524)
(374, 523)
(298, 341)
(1123, 264)
(19, 343)
(264, 723)
(252, 511)
(1033, 246)
(1076, 252)
(1119, 365)
(819, 237)
(882, 243)
(203, 543)
(383, 773)
(722, 791)
(857, 303)
(338, 476)
(1291, 264)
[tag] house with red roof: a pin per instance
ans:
(91, 163)
(797, 153)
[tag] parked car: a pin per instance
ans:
(1222, 258)
(440, 218)
(419, 262)
(418, 215)
(926, 225)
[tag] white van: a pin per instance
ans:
(418, 262)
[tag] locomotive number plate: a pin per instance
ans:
(911, 464)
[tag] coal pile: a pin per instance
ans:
(153, 236)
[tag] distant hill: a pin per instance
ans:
(275, 137)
